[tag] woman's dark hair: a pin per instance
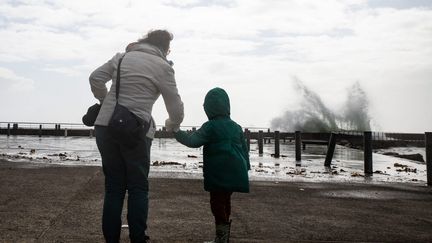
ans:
(158, 38)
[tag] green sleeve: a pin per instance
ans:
(194, 139)
(245, 150)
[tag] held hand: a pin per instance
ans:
(171, 127)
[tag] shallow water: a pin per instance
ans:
(347, 164)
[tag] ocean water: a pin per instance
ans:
(171, 159)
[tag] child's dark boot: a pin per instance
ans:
(222, 233)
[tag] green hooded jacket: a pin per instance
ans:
(226, 156)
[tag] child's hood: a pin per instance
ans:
(217, 104)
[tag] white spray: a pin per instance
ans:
(315, 116)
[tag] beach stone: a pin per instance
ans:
(415, 157)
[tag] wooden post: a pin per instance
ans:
(14, 128)
(277, 144)
(65, 132)
(330, 150)
(260, 142)
(40, 130)
(91, 133)
(248, 138)
(367, 148)
(8, 130)
(428, 143)
(298, 145)
(268, 136)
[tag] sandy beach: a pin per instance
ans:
(49, 203)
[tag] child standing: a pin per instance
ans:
(226, 158)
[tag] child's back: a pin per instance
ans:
(226, 158)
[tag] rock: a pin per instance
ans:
(399, 165)
(356, 174)
(415, 157)
(407, 169)
(391, 153)
(160, 163)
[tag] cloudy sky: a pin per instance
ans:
(252, 48)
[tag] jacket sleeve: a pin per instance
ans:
(172, 100)
(245, 150)
(99, 77)
(195, 139)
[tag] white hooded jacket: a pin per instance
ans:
(144, 75)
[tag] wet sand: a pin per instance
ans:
(47, 203)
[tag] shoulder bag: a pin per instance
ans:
(124, 126)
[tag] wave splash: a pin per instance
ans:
(314, 116)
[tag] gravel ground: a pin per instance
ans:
(41, 203)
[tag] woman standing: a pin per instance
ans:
(145, 74)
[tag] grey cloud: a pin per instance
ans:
(400, 4)
(13, 82)
(200, 3)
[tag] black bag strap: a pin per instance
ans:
(118, 78)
